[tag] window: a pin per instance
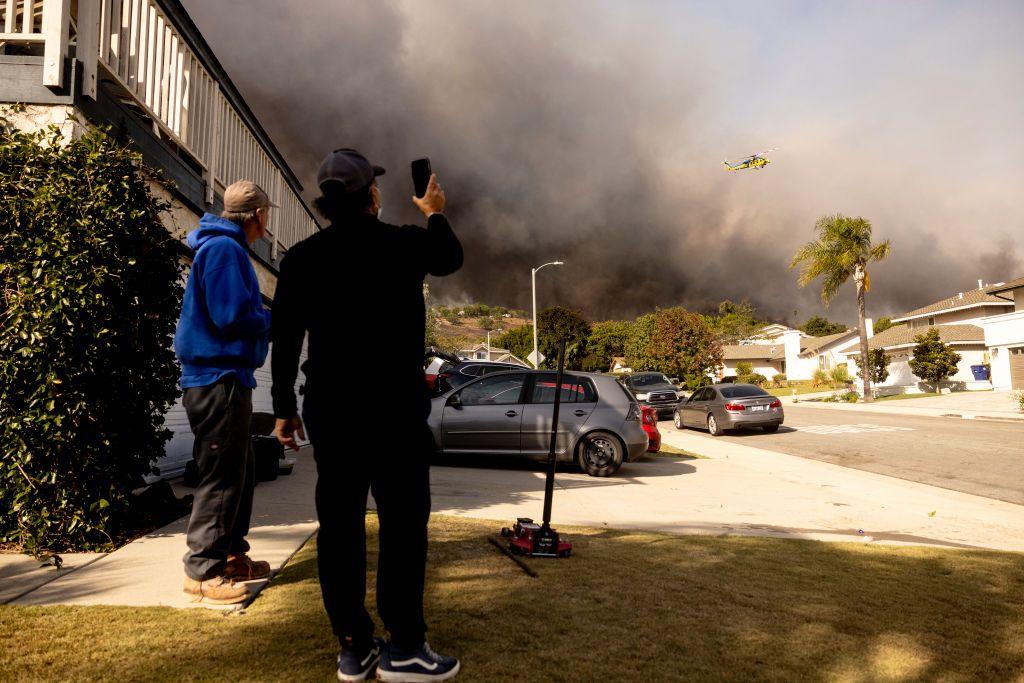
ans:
(648, 379)
(823, 362)
(493, 391)
(743, 391)
(931, 320)
(705, 394)
(574, 390)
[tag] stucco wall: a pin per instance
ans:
(34, 117)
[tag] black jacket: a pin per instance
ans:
(357, 288)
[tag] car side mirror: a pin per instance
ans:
(454, 401)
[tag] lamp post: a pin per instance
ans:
(533, 277)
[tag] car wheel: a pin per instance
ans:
(600, 454)
(713, 428)
(771, 429)
(677, 420)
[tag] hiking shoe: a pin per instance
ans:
(215, 591)
(416, 665)
(244, 568)
(357, 664)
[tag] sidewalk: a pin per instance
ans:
(148, 571)
(968, 405)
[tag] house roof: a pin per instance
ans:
(816, 344)
(975, 297)
(902, 335)
(1006, 286)
(493, 349)
(749, 351)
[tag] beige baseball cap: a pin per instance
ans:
(245, 195)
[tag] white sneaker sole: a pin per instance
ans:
(359, 677)
(409, 677)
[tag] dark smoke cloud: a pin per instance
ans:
(593, 133)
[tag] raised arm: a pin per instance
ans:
(439, 248)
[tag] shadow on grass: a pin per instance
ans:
(626, 606)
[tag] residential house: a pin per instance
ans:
(959, 321)
(492, 353)
(1004, 336)
(144, 69)
(777, 349)
(619, 366)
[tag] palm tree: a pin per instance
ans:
(843, 248)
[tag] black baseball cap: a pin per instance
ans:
(348, 170)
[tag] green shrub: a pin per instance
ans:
(753, 378)
(839, 375)
(1019, 398)
(744, 368)
(91, 292)
(778, 379)
(821, 378)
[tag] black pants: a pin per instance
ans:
(219, 415)
(398, 475)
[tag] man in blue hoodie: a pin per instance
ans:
(222, 337)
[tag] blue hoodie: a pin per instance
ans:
(223, 328)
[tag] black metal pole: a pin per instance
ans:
(549, 485)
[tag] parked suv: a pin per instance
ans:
(509, 413)
(445, 371)
(656, 390)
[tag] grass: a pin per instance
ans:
(800, 389)
(626, 606)
(900, 397)
(669, 450)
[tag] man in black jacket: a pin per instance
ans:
(357, 288)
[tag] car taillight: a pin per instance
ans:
(634, 412)
(775, 404)
(650, 416)
(735, 406)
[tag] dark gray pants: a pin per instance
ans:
(219, 415)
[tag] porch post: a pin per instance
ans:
(56, 20)
(88, 43)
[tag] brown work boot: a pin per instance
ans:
(244, 568)
(215, 591)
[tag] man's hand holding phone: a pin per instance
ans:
(432, 200)
(285, 431)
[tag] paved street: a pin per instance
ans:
(982, 457)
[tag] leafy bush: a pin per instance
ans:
(778, 379)
(932, 360)
(1019, 398)
(90, 280)
(744, 368)
(753, 378)
(878, 366)
(839, 375)
(821, 378)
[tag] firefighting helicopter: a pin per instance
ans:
(758, 160)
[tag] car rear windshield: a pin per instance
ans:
(648, 380)
(742, 391)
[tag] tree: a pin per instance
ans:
(735, 321)
(557, 323)
(676, 342)
(518, 340)
(882, 324)
(816, 326)
(843, 250)
(933, 360)
(90, 289)
(607, 339)
(878, 366)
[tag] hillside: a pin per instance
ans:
(462, 326)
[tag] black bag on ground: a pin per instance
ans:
(267, 451)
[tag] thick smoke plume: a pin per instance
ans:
(594, 132)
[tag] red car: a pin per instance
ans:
(650, 425)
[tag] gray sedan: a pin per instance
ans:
(509, 413)
(729, 406)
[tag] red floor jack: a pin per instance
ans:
(527, 537)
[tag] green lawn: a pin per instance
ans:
(668, 450)
(900, 397)
(626, 606)
(801, 389)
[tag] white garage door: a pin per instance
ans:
(179, 448)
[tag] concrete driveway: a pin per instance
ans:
(738, 489)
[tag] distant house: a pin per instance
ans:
(777, 349)
(959, 320)
(1004, 336)
(492, 353)
(619, 366)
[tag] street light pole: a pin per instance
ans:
(533, 279)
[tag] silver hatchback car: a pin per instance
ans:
(509, 413)
(730, 406)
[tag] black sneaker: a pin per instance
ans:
(415, 666)
(357, 664)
